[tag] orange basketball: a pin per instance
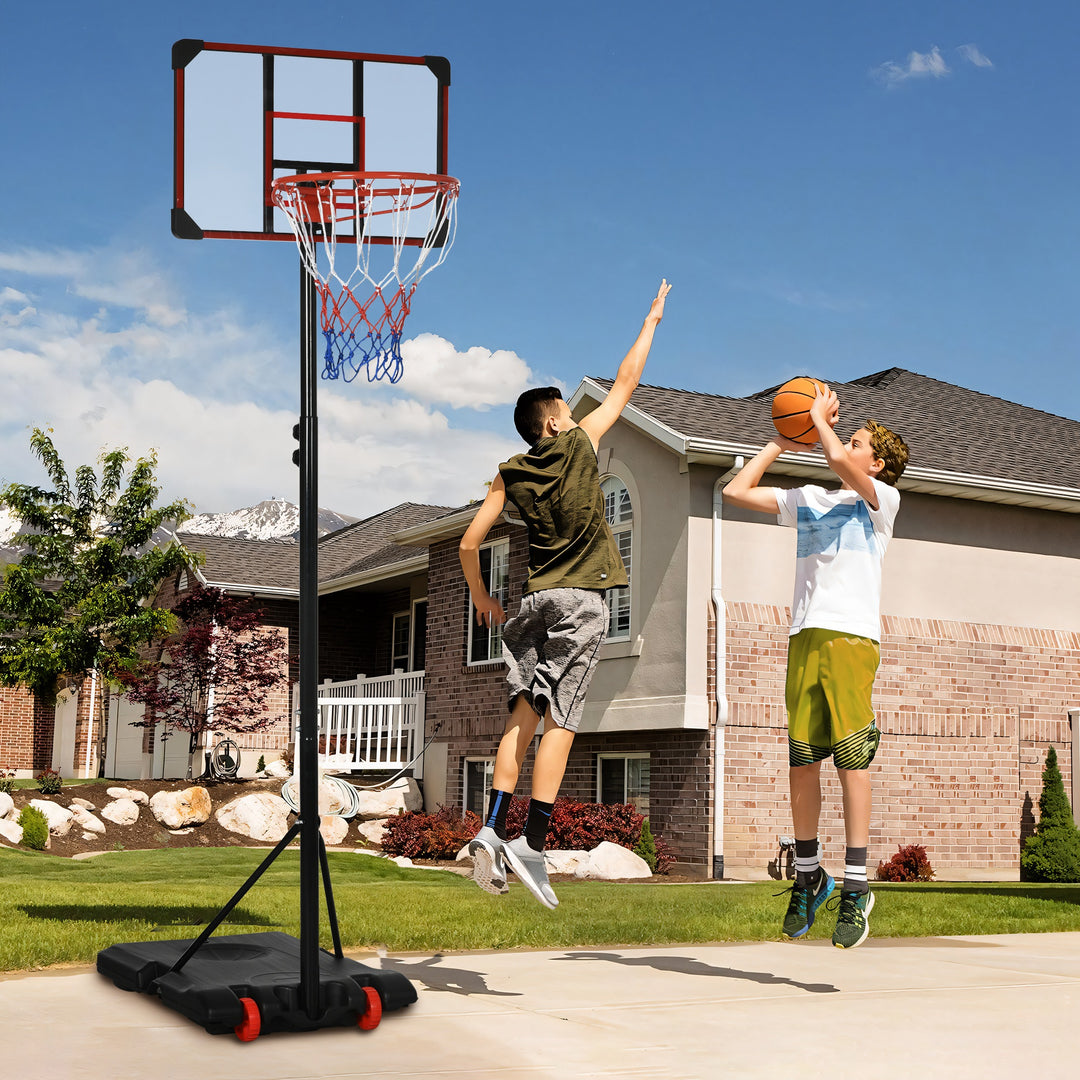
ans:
(791, 409)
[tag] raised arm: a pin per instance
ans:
(742, 489)
(489, 611)
(629, 375)
(823, 413)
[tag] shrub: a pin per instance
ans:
(646, 846)
(261, 764)
(1053, 853)
(7, 781)
(908, 864)
(429, 836)
(35, 827)
(49, 782)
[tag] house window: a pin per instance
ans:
(624, 778)
(485, 643)
(479, 776)
(619, 512)
(419, 635)
(400, 654)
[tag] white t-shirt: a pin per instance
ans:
(841, 546)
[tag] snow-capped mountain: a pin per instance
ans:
(272, 519)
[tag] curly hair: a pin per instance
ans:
(888, 446)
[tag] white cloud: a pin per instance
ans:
(214, 395)
(974, 55)
(477, 378)
(918, 66)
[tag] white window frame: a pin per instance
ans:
(620, 600)
(500, 594)
(489, 775)
(412, 630)
(624, 757)
(405, 664)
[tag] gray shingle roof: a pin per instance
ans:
(275, 564)
(947, 427)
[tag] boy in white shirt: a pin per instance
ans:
(833, 648)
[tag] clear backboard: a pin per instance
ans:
(246, 115)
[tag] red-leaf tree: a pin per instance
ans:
(215, 674)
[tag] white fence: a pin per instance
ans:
(371, 724)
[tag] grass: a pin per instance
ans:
(55, 911)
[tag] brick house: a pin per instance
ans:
(981, 637)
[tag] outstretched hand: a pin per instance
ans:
(657, 310)
(826, 406)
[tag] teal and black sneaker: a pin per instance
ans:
(852, 921)
(803, 905)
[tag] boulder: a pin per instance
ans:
(11, 831)
(565, 862)
(7, 806)
(334, 829)
(121, 812)
(612, 862)
(128, 793)
(277, 770)
(177, 809)
(261, 816)
(372, 831)
(86, 821)
(86, 804)
(58, 817)
(403, 794)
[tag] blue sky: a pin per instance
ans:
(832, 188)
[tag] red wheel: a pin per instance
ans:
(249, 1028)
(369, 1020)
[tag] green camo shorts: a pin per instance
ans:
(830, 678)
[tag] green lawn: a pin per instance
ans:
(55, 911)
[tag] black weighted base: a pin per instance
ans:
(249, 984)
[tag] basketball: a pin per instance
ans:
(791, 409)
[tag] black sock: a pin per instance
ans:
(806, 863)
(536, 824)
(498, 806)
(855, 871)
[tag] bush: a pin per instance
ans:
(1053, 853)
(35, 827)
(646, 846)
(7, 781)
(49, 782)
(908, 864)
(261, 764)
(429, 836)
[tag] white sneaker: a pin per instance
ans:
(530, 869)
(489, 870)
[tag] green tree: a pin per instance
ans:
(76, 599)
(1053, 853)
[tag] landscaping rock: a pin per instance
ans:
(334, 829)
(372, 831)
(403, 794)
(261, 816)
(87, 821)
(565, 862)
(58, 817)
(176, 809)
(611, 862)
(86, 804)
(7, 806)
(128, 793)
(277, 770)
(121, 812)
(11, 831)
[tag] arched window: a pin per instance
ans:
(619, 512)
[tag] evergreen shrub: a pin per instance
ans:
(35, 827)
(1053, 853)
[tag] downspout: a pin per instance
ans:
(720, 665)
(90, 719)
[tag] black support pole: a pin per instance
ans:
(308, 768)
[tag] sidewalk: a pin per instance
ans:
(983, 1007)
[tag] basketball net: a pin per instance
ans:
(365, 299)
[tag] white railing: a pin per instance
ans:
(370, 724)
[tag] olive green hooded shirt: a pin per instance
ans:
(556, 489)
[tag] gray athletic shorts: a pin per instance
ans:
(551, 648)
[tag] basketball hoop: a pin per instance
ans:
(364, 306)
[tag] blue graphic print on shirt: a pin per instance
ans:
(846, 527)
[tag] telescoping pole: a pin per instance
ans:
(308, 768)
